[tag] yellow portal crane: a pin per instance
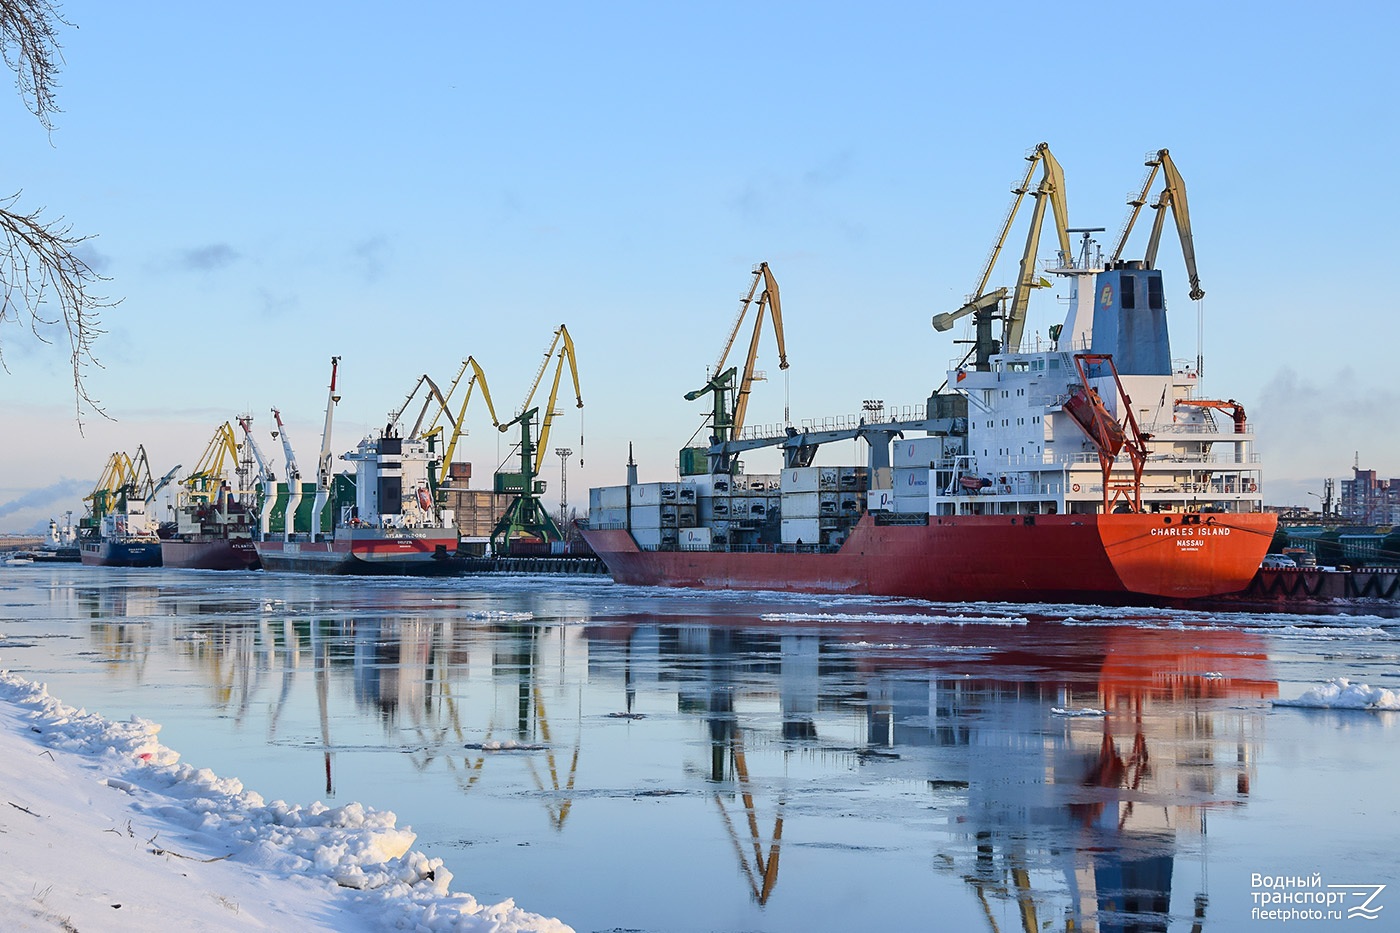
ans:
(119, 481)
(768, 300)
(1173, 196)
(983, 303)
(458, 422)
(563, 345)
(209, 473)
(526, 517)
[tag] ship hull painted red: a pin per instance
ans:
(1076, 558)
(214, 554)
(411, 552)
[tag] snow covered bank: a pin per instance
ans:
(1341, 693)
(101, 827)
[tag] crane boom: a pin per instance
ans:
(564, 344)
(212, 468)
(1173, 197)
(726, 424)
(1051, 189)
(458, 428)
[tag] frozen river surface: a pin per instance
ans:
(631, 759)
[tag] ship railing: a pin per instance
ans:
(1161, 428)
(835, 422)
(1157, 458)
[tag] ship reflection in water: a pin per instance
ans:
(749, 769)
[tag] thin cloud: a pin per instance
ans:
(63, 490)
(209, 258)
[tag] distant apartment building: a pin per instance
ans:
(1366, 499)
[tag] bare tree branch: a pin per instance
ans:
(42, 279)
(39, 271)
(29, 44)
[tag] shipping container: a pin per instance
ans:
(918, 505)
(648, 539)
(880, 500)
(916, 451)
(910, 480)
(695, 539)
(607, 518)
(612, 497)
(644, 516)
(686, 516)
(801, 531)
(695, 461)
(798, 505)
(853, 478)
(650, 493)
(799, 480)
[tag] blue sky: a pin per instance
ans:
(273, 184)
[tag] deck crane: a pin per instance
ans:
(433, 394)
(293, 478)
(526, 516)
(325, 463)
(1236, 410)
(983, 304)
(1173, 196)
(265, 476)
(159, 484)
(727, 423)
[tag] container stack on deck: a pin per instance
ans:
(807, 506)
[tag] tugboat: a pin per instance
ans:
(118, 530)
(389, 524)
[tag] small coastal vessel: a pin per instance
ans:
(1085, 467)
(385, 519)
(62, 544)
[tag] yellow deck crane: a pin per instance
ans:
(726, 421)
(1173, 196)
(526, 517)
(983, 304)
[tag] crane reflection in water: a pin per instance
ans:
(1065, 767)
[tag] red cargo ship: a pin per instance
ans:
(1085, 467)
